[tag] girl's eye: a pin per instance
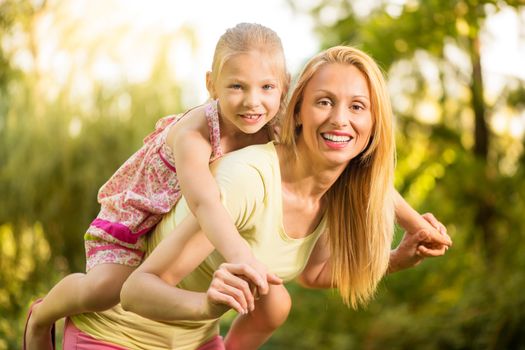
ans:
(236, 86)
(268, 87)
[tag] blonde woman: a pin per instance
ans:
(319, 206)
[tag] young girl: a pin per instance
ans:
(248, 83)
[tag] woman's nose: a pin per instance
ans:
(340, 116)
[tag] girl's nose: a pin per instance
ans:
(251, 99)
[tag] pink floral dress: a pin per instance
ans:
(136, 197)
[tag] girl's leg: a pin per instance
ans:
(252, 330)
(77, 293)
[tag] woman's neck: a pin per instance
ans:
(305, 178)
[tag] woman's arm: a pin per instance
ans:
(317, 272)
(413, 248)
(252, 330)
(416, 246)
(151, 290)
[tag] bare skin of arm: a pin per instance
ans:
(189, 141)
(413, 248)
(252, 330)
(411, 221)
(151, 290)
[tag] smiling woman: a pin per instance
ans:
(339, 112)
(321, 214)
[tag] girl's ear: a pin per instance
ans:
(209, 85)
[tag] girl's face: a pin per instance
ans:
(249, 92)
(335, 114)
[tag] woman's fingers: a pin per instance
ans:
(274, 279)
(217, 297)
(426, 252)
(234, 285)
(443, 238)
(244, 270)
(229, 280)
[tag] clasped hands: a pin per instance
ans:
(233, 284)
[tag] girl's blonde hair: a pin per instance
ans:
(248, 37)
(360, 203)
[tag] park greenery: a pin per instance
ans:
(57, 148)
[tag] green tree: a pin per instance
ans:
(451, 163)
(56, 149)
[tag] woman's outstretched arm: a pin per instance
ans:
(151, 290)
(413, 248)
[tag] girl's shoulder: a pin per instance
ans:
(194, 132)
(195, 120)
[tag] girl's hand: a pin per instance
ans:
(260, 285)
(434, 243)
(416, 246)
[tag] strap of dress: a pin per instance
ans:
(212, 117)
(160, 126)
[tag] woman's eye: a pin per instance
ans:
(357, 107)
(324, 102)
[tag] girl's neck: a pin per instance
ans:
(233, 139)
(237, 140)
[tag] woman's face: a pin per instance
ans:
(335, 114)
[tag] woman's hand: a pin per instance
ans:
(416, 246)
(230, 288)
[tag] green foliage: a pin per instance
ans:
(473, 297)
(56, 152)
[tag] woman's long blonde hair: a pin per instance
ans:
(360, 203)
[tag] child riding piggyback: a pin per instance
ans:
(247, 85)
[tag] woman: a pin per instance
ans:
(318, 206)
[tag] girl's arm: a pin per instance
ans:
(191, 148)
(413, 222)
(150, 290)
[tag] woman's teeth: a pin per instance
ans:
(336, 138)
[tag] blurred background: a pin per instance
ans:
(82, 82)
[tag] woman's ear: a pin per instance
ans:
(298, 122)
(210, 86)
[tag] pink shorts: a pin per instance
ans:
(75, 339)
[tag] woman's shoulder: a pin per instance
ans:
(252, 168)
(261, 157)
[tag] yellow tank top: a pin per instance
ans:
(250, 185)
